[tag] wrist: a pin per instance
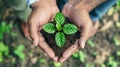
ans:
(88, 4)
(68, 6)
(35, 5)
(40, 4)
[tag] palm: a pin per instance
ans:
(41, 15)
(80, 17)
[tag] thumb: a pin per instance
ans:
(84, 35)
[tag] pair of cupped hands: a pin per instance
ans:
(43, 11)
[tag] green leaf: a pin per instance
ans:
(118, 53)
(91, 43)
(1, 35)
(60, 39)
(69, 29)
(49, 28)
(82, 56)
(95, 53)
(59, 27)
(116, 41)
(6, 52)
(1, 57)
(42, 60)
(2, 47)
(103, 65)
(118, 3)
(59, 18)
(14, 34)
(20, 47)
(56, 64)
(117, 24)
(87, 65)
(19, 52)
(114, 64)
(75, 55)
(22, 56)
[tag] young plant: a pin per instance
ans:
(80, 55)
(116, 41)
(91, 43)
(19, 52)
(4, 28)
(118, 53)
(56, 64)
(4, 50)
(112, 62)
(42, 60)
(60, 28)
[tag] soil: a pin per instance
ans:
(70, 40)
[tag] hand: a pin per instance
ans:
(43, 11)
(80, 17)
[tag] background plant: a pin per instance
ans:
(61, 29)
(4, 50)
(4, 28)
(18, 51)
(80, 55)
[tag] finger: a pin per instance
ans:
(43, 45)
(85, 34)
(34, 33)
(68, 52)
(28, 37)
(76, 50)
(95, 28)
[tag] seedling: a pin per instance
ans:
(4, 28)
(118, 53)
(118, 4)
(75, 55)
(112, 62)
(117, 24)
(80, 55)
(91, 43)
(4, 50)
(56, 64)
(19, 52)
(60, 28)
(89, 65)
(42, 60)
(116, 41)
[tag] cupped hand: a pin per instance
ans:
(80, 17)
(43, 11)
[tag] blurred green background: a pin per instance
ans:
(102, 50)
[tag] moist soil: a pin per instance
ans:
(70, 40)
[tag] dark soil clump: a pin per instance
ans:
(70, 40)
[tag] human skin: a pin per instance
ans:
(43, 11)
(78, 12)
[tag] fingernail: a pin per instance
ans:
(82, 44)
